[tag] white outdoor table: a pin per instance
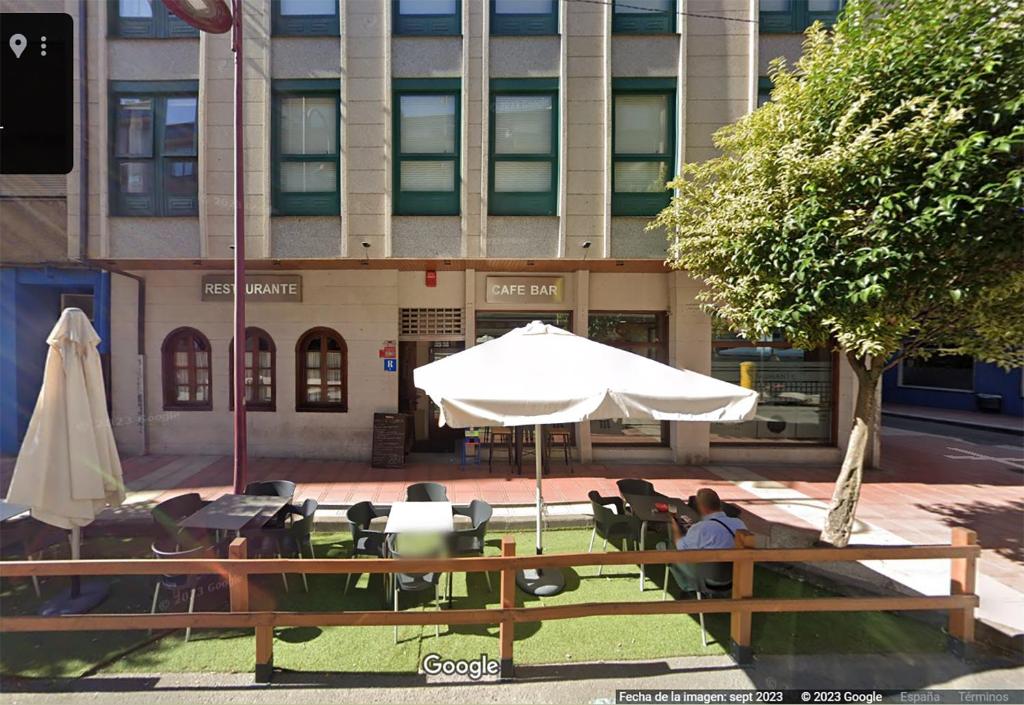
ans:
(420, 517)
(9, 510)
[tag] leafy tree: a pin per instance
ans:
(875, 204)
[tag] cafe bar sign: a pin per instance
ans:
(258, 287)
(525, 290)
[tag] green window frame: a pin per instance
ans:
(764, 90)
(323, 202)
(426, 202)
(523, 23)
(161, 23)
(296, 25)
(544, 202)
(426, 25)
(166, 160)
(797, 15)
(651, 21)
(644, 202)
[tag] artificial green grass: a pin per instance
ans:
(372, 649)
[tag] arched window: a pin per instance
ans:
(321, 365)
(186, 370)
(260, 371)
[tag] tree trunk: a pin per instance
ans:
(842, 510)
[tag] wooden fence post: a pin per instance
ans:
(742, 587)
(238, 583)
(963, 577)
(506, 630)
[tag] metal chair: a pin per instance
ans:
(426, 492)
(560, 436)
(365, 541)
(169, 513)
(635, 486)
(501, 437)
(714, 580)
(611, 524)
(470, 542)
(415, 582)
(162, 548)
(289, 540)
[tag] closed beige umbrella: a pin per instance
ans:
(68, 469)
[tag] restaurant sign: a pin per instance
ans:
(258, 287)
(525, 290)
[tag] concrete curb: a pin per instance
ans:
(963, 423)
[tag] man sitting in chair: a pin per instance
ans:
(714, 530)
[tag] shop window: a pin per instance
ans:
(644, 334)
(306, 163)
(943, 372)
(186, 370)
(524, 147)
(797, 401)
(524, 17)
(791, 16)
(494, 324)
(427, 17)
(154, 145)
(304, 18)
(643, 144)
(260, 371)
(644, 16)
(426, 135)
(146, 19)
(321, 365)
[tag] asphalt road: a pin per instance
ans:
(995, 439)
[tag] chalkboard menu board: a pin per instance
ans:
(388, 441)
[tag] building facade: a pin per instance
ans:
(421, 176)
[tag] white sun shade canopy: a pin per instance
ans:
(540, 374)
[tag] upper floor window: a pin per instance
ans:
(304, 17)
(524, 147)
(146, 19)
(427, 17)
(306, 164)
(644, 16)
(643, 144)
(260, 371)
(154, 148)
(186, 370)
(321, 361)
(788, 16)
(524, 17)
(426, 127)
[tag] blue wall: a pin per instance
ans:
(988, 379)
(29, 306)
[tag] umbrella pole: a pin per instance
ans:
(75, 539)
(542, 582)
(80, 597)
(539, 462)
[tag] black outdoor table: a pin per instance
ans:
(642, 507)
(234, 512)
(9, 510)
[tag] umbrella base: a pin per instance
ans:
(542, 582)
(90, 595)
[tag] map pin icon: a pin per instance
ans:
(18, 44)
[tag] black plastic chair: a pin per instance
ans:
(610, 524)
(470, 542)
(273, 488)
(169, 513)
(426, 492)
(714, 580)
(366, 541)
(415, 582)
(289, 540)
(635, 486)
(167, 548)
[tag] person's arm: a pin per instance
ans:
(673, 527)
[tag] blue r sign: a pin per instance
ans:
(390, 364)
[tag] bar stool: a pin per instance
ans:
(472, 441)
(502, 437)
(560, 436)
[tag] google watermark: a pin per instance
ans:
(474, 670)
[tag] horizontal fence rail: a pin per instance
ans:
(960, 603)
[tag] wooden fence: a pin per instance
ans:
(960, 603)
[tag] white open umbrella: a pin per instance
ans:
(540, 374)
(68, 469)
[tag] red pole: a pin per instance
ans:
(241, 460)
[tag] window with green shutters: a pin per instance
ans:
(426, 137)
(523, 173)
(523, 17)
(154, 166)
(644, 16)
(306, 161)
(146, 19)
(426, 17)
(643, 144)
(790, 16)
(315, 18)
